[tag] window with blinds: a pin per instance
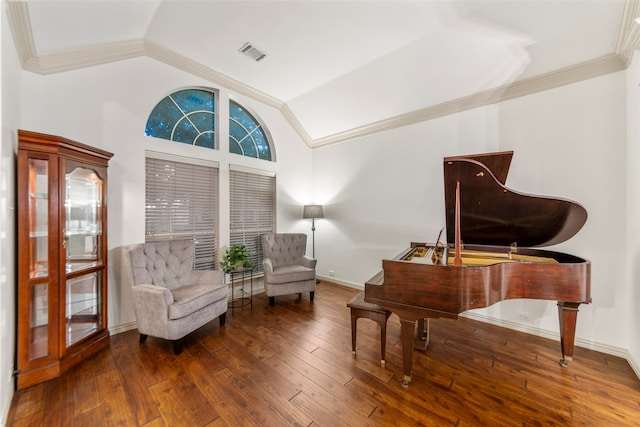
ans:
(252, 210)
(182, 203)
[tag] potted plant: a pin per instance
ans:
(236, 258)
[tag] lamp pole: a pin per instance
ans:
(313, 212)
(313, 237)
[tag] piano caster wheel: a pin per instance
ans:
(353, 352)
(406, 381)
(383, 362)
(564, 362)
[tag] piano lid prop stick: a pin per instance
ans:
(457, 261)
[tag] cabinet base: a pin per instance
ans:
(74, 355)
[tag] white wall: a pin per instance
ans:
(380, 192)
(633, 210)
(9, 118)
(571, 142)
(383, 191)
(108, 106)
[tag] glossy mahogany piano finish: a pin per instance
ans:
(494, 222)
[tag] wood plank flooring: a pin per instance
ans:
(292, 365)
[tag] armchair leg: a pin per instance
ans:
(272, 301)
(311, 295)
(143, 338)
(177, 346)
(223, 318)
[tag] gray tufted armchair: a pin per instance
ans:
(287, 270)
(170, 298)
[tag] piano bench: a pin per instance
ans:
(360, 308)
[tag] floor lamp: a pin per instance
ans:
(313, 212)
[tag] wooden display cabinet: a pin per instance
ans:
(62, 255)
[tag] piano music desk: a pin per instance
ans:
(359, 309)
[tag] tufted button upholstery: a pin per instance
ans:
(170, 299)
(284, 249)
(166, 264)
(287, 269)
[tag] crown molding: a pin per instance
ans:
(629, 35)
(20, 23)
(64, 60)
(174, 59)
(297, 126)
(87, 56)
(575, 73)
(71, 59)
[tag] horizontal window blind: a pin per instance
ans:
(252, 210)
(182, 203)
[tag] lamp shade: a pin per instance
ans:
(312, 211)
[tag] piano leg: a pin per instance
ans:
(407, 329)
(421, 337)
(568, 314)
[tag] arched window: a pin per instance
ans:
(186, 116)
(179, 195)
(247, 136)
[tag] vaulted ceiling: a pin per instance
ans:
(343, 68)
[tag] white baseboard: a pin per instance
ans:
(342, 282)
(607, 349)
(633, 363)
(602, 348)
(118, 329)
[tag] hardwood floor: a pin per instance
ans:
(292, 365)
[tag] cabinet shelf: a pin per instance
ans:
(77, 267)
(82, 232)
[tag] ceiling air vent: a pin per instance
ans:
(252, 52)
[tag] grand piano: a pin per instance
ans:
(490, 255)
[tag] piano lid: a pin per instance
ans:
(492, 214)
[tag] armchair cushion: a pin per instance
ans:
(189, 299)
(290, 273)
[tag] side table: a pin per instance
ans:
(245, 298)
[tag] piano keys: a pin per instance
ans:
(498, 231)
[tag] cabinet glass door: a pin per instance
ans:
(83, 243)
(83, 229)
(38, 218)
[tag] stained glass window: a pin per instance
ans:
(247, 136)
(187, 116)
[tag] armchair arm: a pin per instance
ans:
(151, 306)
(309, 262)
(268, 265)
(146, 294)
